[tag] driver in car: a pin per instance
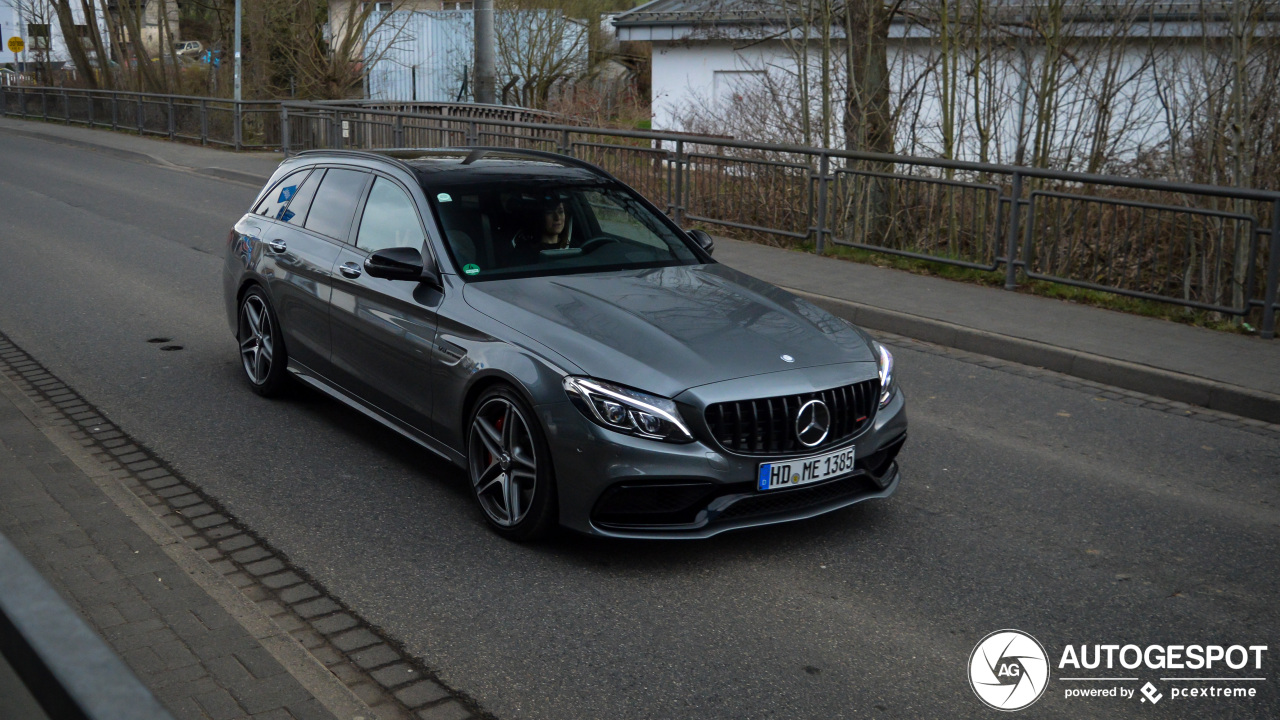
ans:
(544, 227)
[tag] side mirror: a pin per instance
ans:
(403, 263)
(704, 240)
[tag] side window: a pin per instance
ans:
(296, 213)
(335, 203)
(390, 219)
(281, 194)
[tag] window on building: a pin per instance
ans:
(39, 35)
(83, 32)
(378, 6)
(455, 6)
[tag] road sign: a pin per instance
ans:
(16, 44)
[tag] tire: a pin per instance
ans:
(262, 354)
(509, 466)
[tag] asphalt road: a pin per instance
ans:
(1023, 505)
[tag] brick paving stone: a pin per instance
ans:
(393, 676)
(370, 693)
(298, 593)
(144, 465)
(449, 710)
(239, 579)
(421, 693)
(315, 607)
(157, 478)
(250, 554)
(195, 511)
(375, 657)
(391, 710)
(209, 554)
(265, 567)
(280, 580)
(235, 543)
(309, 638)
(131, 457)
(354, 640)
(220, 705)
(209, 521)
(224, 531)
(334, 623)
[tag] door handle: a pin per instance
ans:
(277, 246)
(350, 270)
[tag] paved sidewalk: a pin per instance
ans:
(1221, 371)
(197, 659)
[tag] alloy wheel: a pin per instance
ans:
(256, 344)
(503, 462)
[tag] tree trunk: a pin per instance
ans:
(75, 45)
(868, 121)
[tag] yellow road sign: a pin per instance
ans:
(16, 44)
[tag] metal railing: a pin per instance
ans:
(52, 659)
(246, 125)
(1205, 247)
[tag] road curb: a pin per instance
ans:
(1120, 373)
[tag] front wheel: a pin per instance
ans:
(262, 353)
(509, 466)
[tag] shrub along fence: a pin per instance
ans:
(1199, 246)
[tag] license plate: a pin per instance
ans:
(802, 471)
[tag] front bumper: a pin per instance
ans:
(617, 485)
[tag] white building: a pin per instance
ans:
(709, 54)
(36, 23)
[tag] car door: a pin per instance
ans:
(383, 330)
(297, 266)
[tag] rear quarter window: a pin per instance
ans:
(279, 196)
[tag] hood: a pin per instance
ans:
(665, 330)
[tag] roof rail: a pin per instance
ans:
(568, 160)
(366, 154)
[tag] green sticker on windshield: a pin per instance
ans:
(471, 268)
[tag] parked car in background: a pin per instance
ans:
(188, 48)
(535, 321)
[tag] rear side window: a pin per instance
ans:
(281, 194)
(296, 213)
(335, 202)
(390, 219)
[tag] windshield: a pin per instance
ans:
(510, 230)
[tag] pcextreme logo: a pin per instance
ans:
(1009, 670)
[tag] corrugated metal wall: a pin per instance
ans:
(427, 56)
(423, 56)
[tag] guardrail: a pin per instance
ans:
(1206, 247)
(59, 663)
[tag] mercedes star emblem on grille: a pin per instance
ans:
(813, 422)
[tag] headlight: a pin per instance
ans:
(628, 411)
(884, 363)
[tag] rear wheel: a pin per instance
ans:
(262, 354)
(510, 466)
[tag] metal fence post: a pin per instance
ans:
(677, 207)
(397, 131)
(44, 106)
(284, 130)
(820, 226)
(473, 134)
(141, 117)
(1273, 276)
(1015, 213)
(335, 131)
(115, 112)
(204, 121)
(22, 101)
(4, 99)
(237, 132)
(566, 146)
(172, 120)
(92, 100)
(66, 107)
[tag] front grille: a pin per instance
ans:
(653, 504)
(783, 501)
(767, 426)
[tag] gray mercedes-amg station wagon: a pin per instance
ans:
(533, 320)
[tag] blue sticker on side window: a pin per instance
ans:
(286, 215)
(286, 194)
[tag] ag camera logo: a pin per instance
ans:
(1008, 670)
